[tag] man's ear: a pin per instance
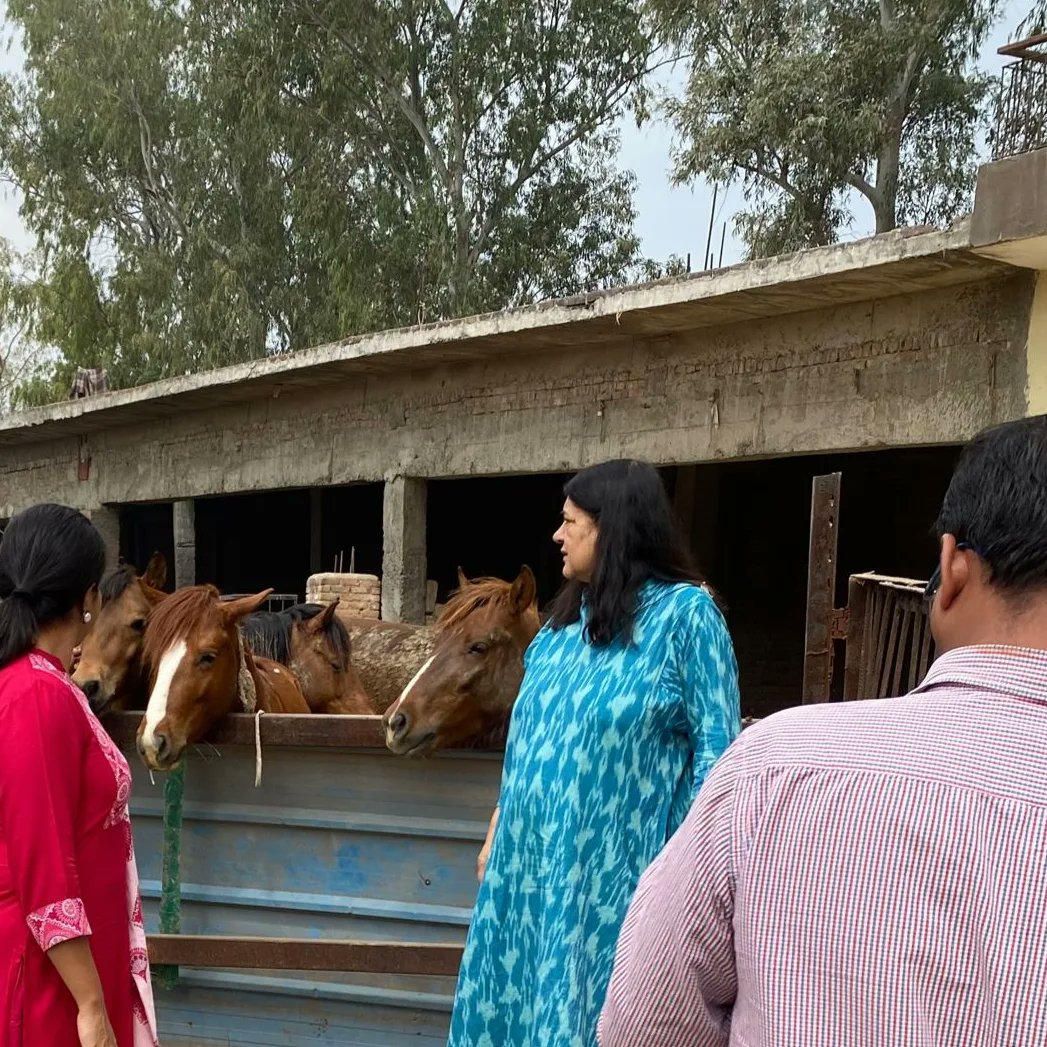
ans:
(955, 566)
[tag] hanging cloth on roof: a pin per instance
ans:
(89, 381)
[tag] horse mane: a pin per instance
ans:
(116, 582)
(268, 633)
(484, 592)
(170, 620)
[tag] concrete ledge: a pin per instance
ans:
(1010, 210)
(899, 262)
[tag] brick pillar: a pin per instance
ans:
(403, 554)
(185, 542)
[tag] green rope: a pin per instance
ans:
(171, 869)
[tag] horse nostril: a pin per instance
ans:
(91, 688)
(161, 743)
(398, 723)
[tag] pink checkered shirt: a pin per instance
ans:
(866, 873)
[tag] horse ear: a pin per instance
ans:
(319, 623)
(234, 610)
(524, 593)
(156, 571)
(463, 582)
(154, 596)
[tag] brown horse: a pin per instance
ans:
(466, 689)
(321, 658)
(110, 671)
(200, 669)
(313, 643)
(387, 655)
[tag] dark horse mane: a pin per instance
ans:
(116, 582)
(268, 633)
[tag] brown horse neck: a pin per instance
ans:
(275, 688)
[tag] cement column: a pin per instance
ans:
(403, 554)
(185, 542)
(107, 521)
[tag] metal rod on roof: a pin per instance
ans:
(712, 220)
(723, 237)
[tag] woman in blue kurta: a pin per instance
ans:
(630, 695)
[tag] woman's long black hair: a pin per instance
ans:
(50, 558)
(637, 541)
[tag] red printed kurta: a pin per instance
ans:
(66, 862)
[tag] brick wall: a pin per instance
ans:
(360, 595)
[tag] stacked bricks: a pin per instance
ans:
(359, 595)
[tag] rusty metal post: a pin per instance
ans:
(821, 589)
(857, 627)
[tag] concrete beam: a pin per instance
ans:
(929, 367)
(185, 542)
(862, 271)
(403, 554)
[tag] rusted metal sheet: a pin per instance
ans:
(283, 729)
(337, 845)
(304, 954)
(821, 587)
(321, 732)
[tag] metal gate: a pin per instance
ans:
(884, 629)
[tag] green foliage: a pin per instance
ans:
(805, 102)
(210, 182)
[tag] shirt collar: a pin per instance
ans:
(1017, 671)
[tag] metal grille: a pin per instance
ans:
(1021, 113)
(889, 644)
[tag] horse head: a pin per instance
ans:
(320, 656)
(110, 669)
(467, 688)
(199, 670)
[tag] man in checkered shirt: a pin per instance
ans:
(869, 873)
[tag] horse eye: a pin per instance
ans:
(336, 667)
(207, 658)
(478, 648)
(138, 625)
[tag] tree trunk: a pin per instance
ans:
(885, 205)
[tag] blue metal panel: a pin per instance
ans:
(334, 844)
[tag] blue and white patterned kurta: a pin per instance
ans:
(607, 748)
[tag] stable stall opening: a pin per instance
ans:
(750, 529)
(277, 539)
(493, 526)
(146, 529)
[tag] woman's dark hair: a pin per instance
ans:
(50, 558)
(637, 541)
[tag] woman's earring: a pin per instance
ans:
(87, 617)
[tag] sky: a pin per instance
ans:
(671, 219)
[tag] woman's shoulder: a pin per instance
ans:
(35, 677)
(681, 599)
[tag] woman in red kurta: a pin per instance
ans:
(73, 965)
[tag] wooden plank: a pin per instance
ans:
(283, 729)
(304, 954)
(1025, 48)
(821, 589)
